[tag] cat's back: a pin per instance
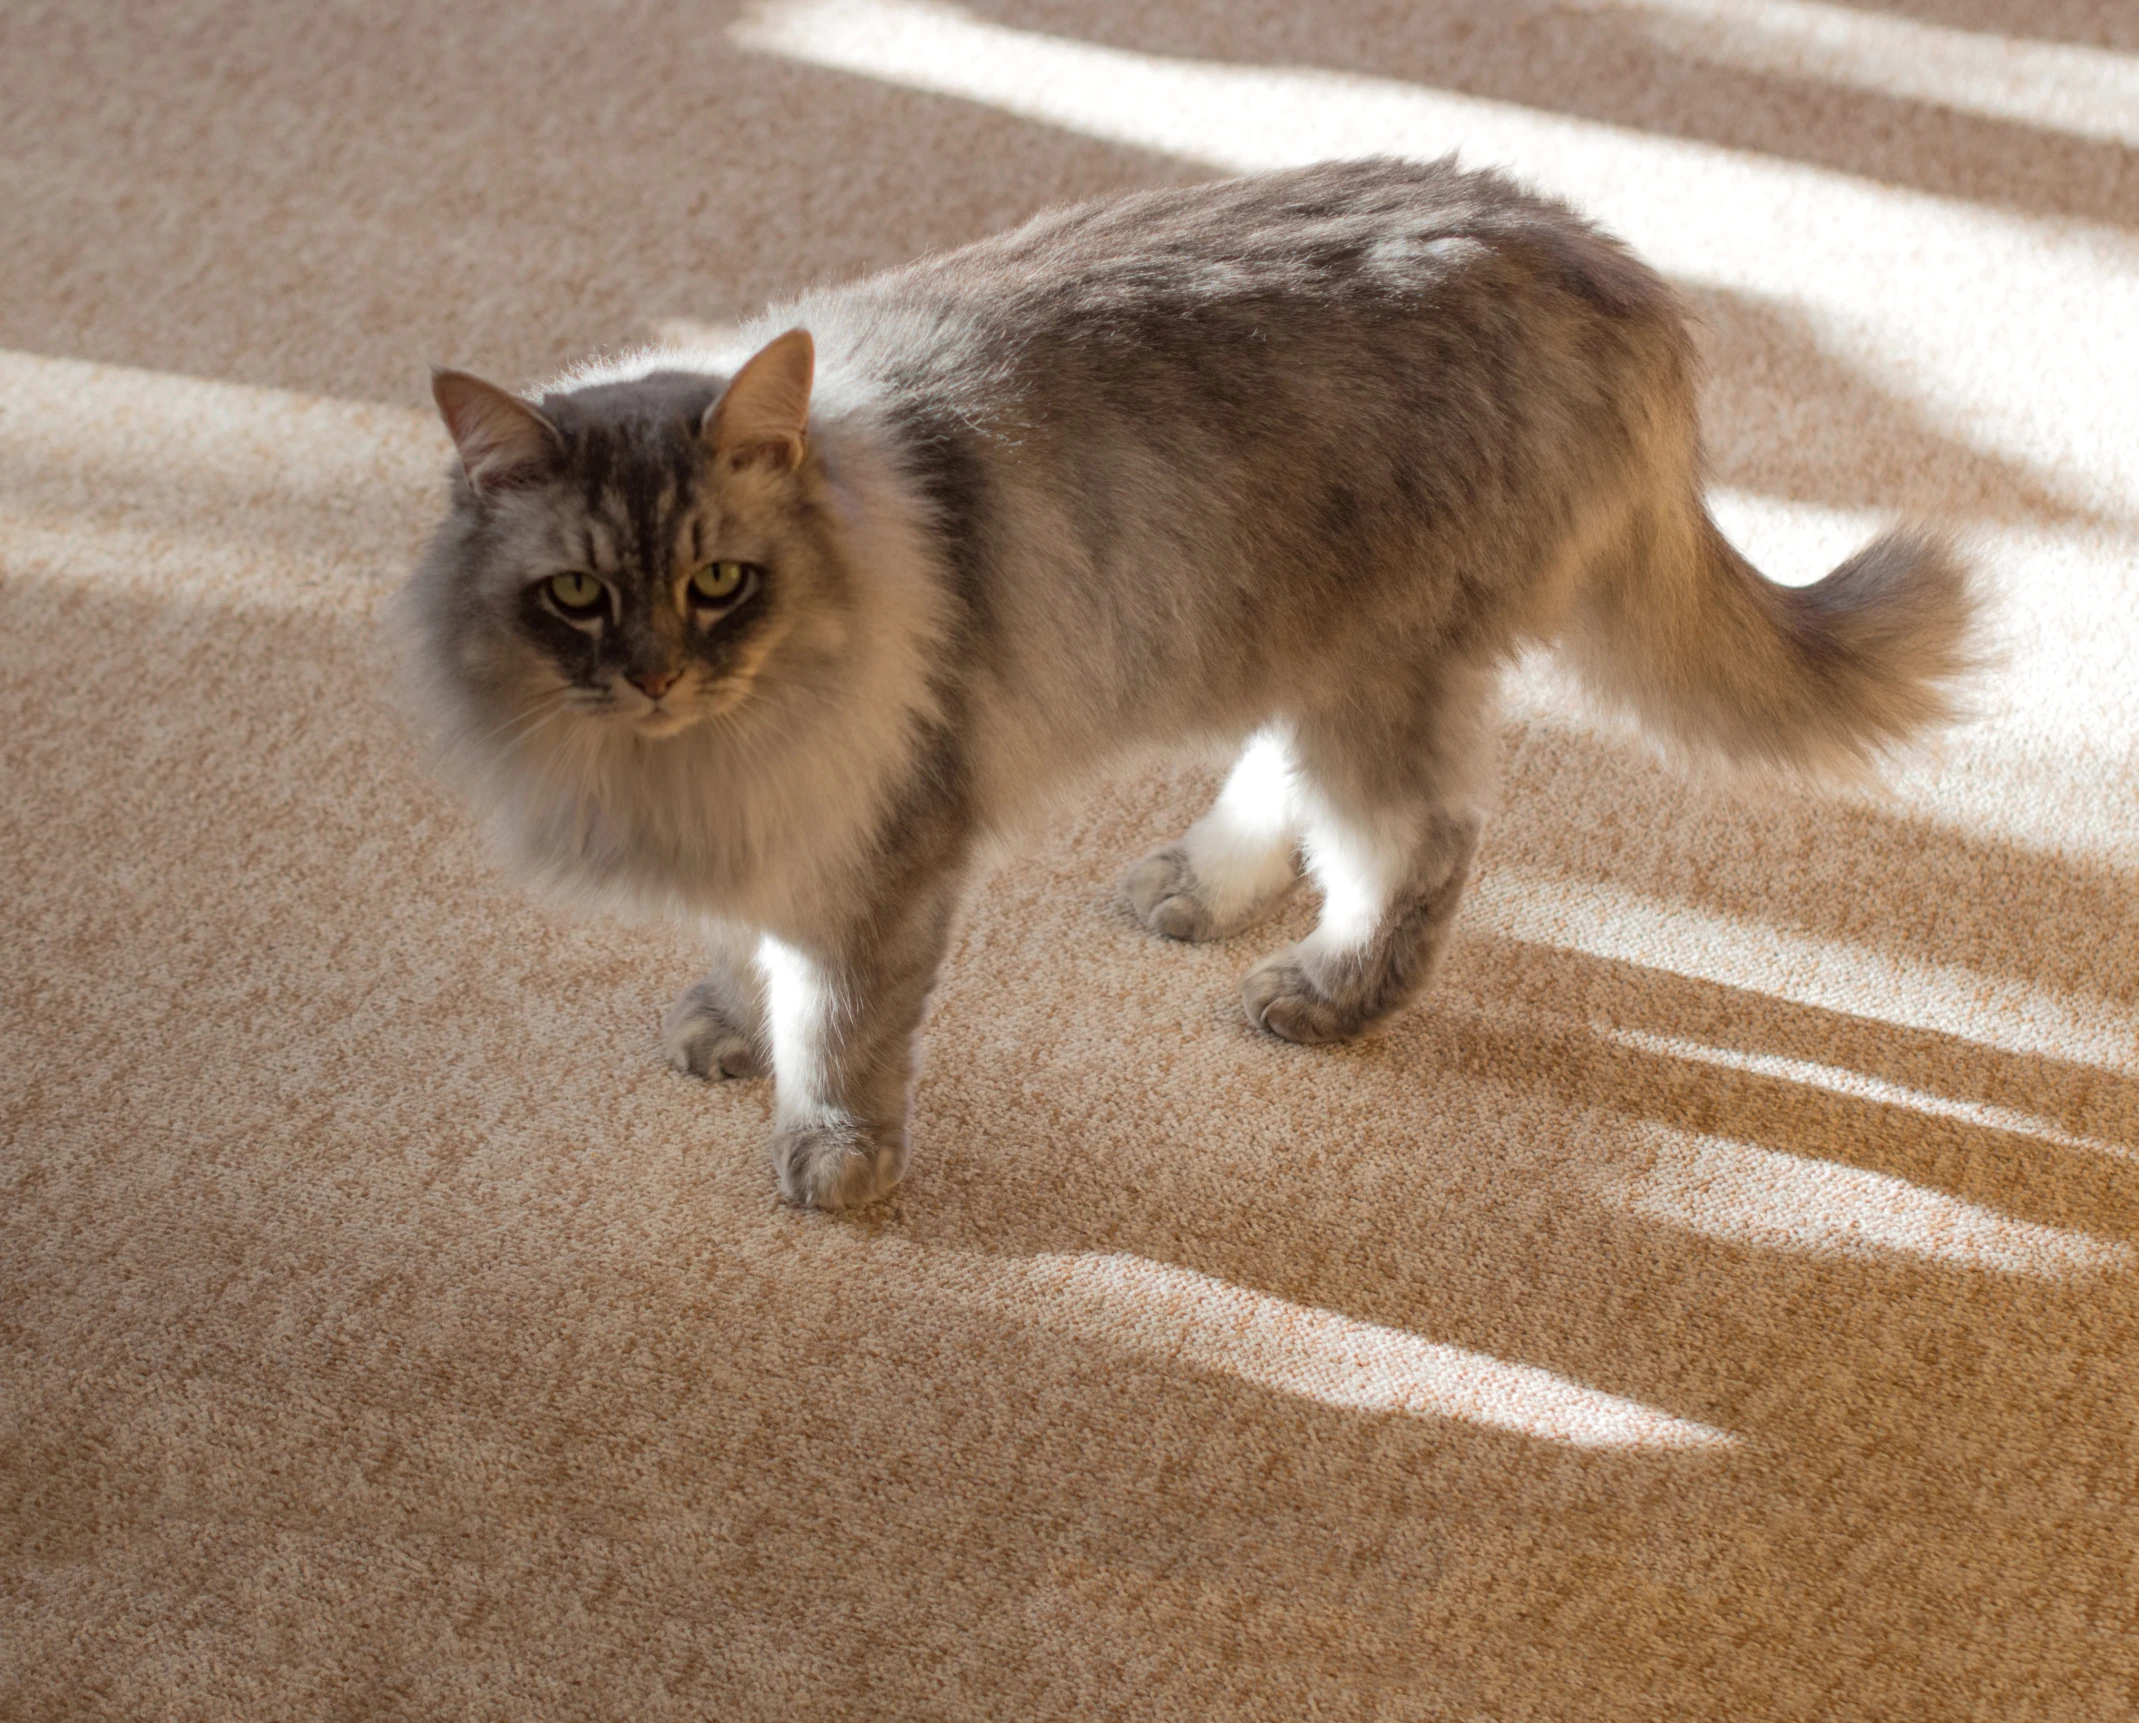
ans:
(1322, 256)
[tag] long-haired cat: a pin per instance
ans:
(1296, 462)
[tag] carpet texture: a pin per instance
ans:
(1717, 1300)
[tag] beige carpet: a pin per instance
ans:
(1718, 1301)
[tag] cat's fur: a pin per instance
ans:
(1296, 462)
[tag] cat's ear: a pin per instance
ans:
(502, 440)
(765, 414)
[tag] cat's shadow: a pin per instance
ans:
(1529, 1166)
(1348, 1178)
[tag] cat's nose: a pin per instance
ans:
(655, 683)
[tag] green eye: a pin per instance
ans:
(576, 593)
(719, 581)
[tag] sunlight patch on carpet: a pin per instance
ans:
(1791, 542)
(1178, 1315)
(2056, 86)
(1768, 1198)
(176, 486)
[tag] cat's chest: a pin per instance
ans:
(760, 847)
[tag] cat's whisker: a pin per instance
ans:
(761, 726)
(505, 750)
(542, 705)
(541, 722)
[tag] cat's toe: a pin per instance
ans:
(836, 1166)
(1162, 890)
(1281, 998)
(699, 1038)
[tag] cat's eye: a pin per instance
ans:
(718, 582)
(576, 594)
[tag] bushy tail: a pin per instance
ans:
(1715, 659)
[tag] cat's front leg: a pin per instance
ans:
(717, 1028)
(843, 1016)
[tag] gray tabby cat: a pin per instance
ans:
(1295, 463)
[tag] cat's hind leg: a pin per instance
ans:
(1233, 863)
(1390, 817)
(717, 1028)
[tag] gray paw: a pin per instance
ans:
(701, 1039)
(1162, 890)
(836, 1166)
(1282, 999)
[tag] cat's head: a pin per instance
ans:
(629, 561)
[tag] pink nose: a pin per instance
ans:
(655, 683)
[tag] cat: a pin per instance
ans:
(1297, 463)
